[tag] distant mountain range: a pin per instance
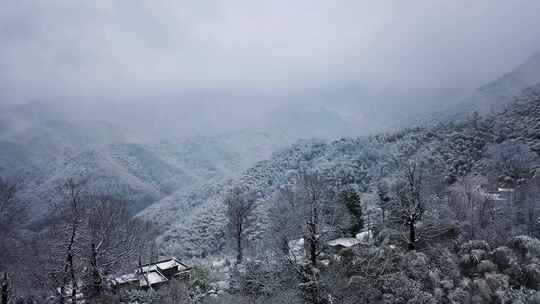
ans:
(43, 156)
(41, 146)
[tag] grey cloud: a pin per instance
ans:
(125, 50)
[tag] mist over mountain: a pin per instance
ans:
(492, 97)
(46, 143)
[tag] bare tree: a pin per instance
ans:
(302, 207)
(353, 204)
(96, 284)
(240, 212)
(58, 246)
(469, 192)
(311, 187)
(144, 274)
(410, 207)
(384, 199)
(113, 239)
(74, 214)
(527, 208)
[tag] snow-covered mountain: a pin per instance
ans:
(193, 219)
(45, 143)
(42, 154)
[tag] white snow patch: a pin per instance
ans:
(345, 242)
(153, 277)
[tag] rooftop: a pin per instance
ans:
(153, 273)
(164, 265)
(153, 277)
(345, 242)
(126, 278)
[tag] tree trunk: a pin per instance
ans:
(483, 216)
(471, 206)
(313, 243)
(4, 297)
(311, 288)
(239, 255)
(62, 292)
(531, 221)
(96, 277)
(73, 280)
(144, 275)
(412, 235)
(69, 265)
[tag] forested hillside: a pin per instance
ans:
(44, 144)
(435, 214)
(41, 154)
(477, 247)
(452, 150)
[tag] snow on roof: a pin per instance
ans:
(147, 268)
(494, 196)
(296, 244)
(364, 236)
(168, 264)
(163, 265)
(345, 242)
(126, 278)
(153, 277)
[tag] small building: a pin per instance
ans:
(169, 268)
(342, 243)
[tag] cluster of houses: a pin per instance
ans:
(152, 275)
(148, 276)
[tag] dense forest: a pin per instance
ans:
(446, 213)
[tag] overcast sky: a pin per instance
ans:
(127, 50)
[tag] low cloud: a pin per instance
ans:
(267, 51)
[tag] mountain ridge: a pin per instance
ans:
(457, 149)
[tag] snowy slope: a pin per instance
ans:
(193, 220)
(41, 154)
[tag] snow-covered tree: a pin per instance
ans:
(240, 205)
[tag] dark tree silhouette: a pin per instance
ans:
(240, 206)
(354, 206)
